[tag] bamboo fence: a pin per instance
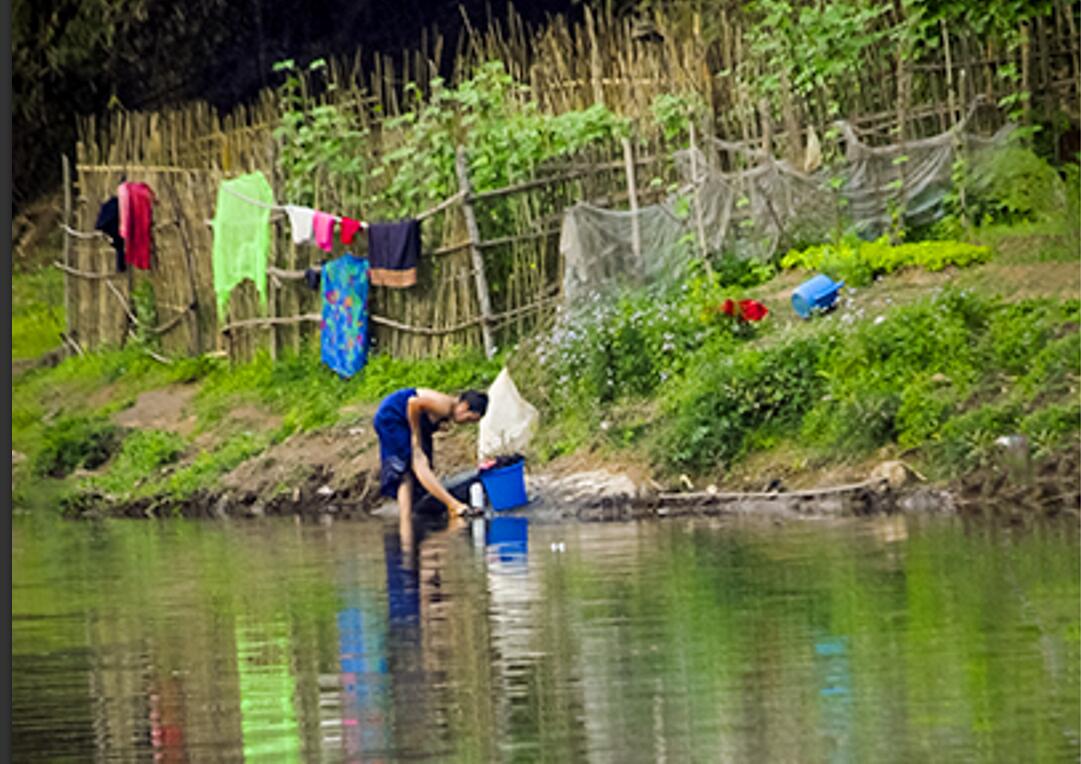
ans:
(490, 269)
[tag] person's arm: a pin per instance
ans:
(415, 409)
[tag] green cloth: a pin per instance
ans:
(241, 236)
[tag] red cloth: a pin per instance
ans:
(749, 310)
(348, 229)
(136, 223)
(752, 310)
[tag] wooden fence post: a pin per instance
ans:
(697, 198)
(474, 247)
(632, 195)
(70, 319)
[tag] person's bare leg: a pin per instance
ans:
(423, 470)
(405, 513)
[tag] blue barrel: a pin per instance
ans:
(814, 294)
(505, 486)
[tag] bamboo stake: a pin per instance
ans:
(66, 170)
(632, 197)
(699, 225)
(193, 292)
(483, 298)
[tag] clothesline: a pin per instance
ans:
(450, 200)
(275, 207)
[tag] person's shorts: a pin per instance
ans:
(392, 470)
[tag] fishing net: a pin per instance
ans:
(750, 212)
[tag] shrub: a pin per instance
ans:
(76, 441)
(743, 272)
(925, 405)
(1054, 367)
(859, 262)
(724, 397)
(968, 441)
(1050, 427)
(1013, 184)
(141, 455)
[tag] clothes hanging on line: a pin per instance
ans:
(313, 276)
(300, 222)
(348, 229)
(394, 250)
(344, 327)
(135, 202)
(323, 226)
(241, 235)
(108, 223)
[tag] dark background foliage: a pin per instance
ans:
(73, 57)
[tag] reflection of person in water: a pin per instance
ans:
(415, 603)
(405, 423)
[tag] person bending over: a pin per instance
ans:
(405, 422)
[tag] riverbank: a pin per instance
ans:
(119, 432)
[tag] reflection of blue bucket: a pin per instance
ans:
(509, 536)
(814, 294)
(505, 486)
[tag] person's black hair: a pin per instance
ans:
(477, 400)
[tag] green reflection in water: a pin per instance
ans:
(876, 640)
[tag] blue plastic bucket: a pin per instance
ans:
(814, 294)
(505, 486)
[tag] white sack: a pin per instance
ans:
(509, 422)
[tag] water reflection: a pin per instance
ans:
(880, 640)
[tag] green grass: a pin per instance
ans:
(37, 313)
(47, 405)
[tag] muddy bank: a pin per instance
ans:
(308, 478)
(334, 472)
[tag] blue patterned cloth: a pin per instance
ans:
(345, 314)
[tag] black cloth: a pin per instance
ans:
(393, 253)
(504, 460)
(108, 223)
(313, 276)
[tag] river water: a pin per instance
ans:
(890, 639)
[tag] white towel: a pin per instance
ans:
(300, 220)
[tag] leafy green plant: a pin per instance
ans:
(811, 47)
(141, 455)
(320, 143)
(725, 396)
(1012, 184)
(504, 132)
(1050, 428)
(859, 262)
(968, 440)
(674, 112)
(76, 441)
(742, 272)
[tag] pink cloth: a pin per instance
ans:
(136, 202)
(348, 230)
(122, 205)
(323, 228)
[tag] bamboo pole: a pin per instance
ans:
(699, 225)
(69, 318)
(193, 291)
(483, 298)
(632, 197)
